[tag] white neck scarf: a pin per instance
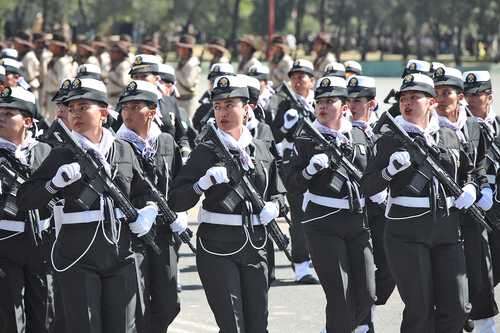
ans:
(306, 102)
(21, 152)
(147, 146)
(239, 145)
(339, 135)
(456, 126)
(101, 149)
(489, 121)
(428, 132)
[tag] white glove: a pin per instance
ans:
(400, 157)
(486, 200)
(467, 198)
(290, 118)
(269, 212)
(379, 197)
(71, 174)
(180, 224)
(145, 220)
(318, 162)
(217, 173)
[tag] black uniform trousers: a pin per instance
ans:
(236, 286)
(99, 291)
(426, 259)
(158, 279)
(299, 246)
(343, 259)
(23, 285)
(479, 270)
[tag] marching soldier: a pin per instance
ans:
(478, 94)
(24, 242)
(160, 158)
(217, 48)
(281, 62)
(352, 68)
(118, 76)
(247, 47)
(92, 253)
(422, 238)
(13, 75)
(299, 104)
(231, 258)
(187, 72)
(261, 73)
(322, 46)
(31, 64)
(337, 232)
(59, 68)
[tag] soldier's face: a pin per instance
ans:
(416, 106)
(479, 103)
(13, 124)
(229, 114)
(62, 113)
(86, 116)
(360, 107)
(11, 80)
(137, 115)
(148, 77)
(329, 110)
(302, 83)
(448, 99)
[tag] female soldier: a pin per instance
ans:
(91, 254)
(24, 245)
(337, 234)
(160, 158)
(231, 257)
(422, 241)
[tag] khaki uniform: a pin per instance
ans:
(279, 72)
(216, 60)
(44, 59)
(105, 63)
(31, 67)
(188, 76)
(58, 69)
(90, 60)
(245, 65)
(118, 78)
(321, 62)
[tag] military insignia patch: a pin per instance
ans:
(223, 82)
(76, 84)
(66, 84)
(325, 83)
(353, 82)
(82, 69)
(471, 78)
(138, 60)
(296, 64)
(439, 72)
(6, 92)
(408, 79)
(412, 66)
(132, 86)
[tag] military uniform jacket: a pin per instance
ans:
(201, 114)
(320, 64)
(278, 121)
(31, 66)
(492, 163)
(187, 76)
(36, 156)
(173, 122)
(183, 196)
(476, 146)
(124, 170)
(278, 73)
(245, 64)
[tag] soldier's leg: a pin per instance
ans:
(410, 264)
(220, 277)
(36, 292)
(254, 282)
(12, 314)
(450, 285)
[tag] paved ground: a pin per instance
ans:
(292, 308)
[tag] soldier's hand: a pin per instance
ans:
(214, 175)
(467, 198)
(485, 202)
(67, 174)
(318, 162)
(398, 162)
(290, 118)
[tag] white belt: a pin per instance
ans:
(328, 201)
(415, 202)
(491, 179)
(205, 216)
(88, 216)
(19, 226)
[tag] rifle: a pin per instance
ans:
(167, 216)
(244, 189)
(98, 180)
(336, 158)
(423, 159)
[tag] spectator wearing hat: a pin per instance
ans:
(30, 63)
(453, 114)
(352, 68)
(102, 55)
(247, 47)
(160, 158)
(298, 103)
(40, 41)
(85, 52)
(281, 62)
(25, 242)
(322, 46)
(217, 48)
(422, 240)
(337, 236)
(98, 285)
(187, 72)
(118, 75)
(59, 68)
(232, 262)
